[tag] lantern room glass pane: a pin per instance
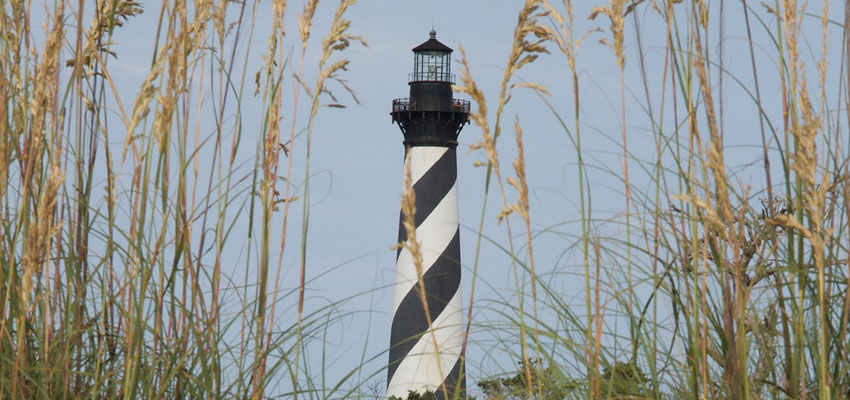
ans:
(432, 66)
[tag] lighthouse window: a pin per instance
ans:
(431, 66)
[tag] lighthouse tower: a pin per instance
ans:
(430, 120)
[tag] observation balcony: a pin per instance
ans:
(426, 104)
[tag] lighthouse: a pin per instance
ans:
(430, 120)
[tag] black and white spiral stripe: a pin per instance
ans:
(414, 364)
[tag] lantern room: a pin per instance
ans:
(431, 116)
(432, 62)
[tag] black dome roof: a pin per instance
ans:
(433, 44)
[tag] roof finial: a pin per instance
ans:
(433, 34)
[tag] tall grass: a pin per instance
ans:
(755, 279)
(112, 279)
(117, 221)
